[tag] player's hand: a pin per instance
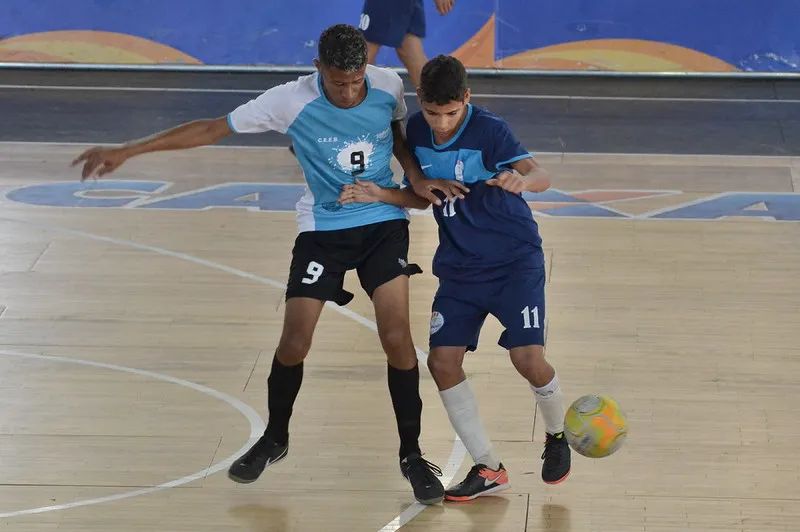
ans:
(444, 6)
(360, 192)
(450, 188)
(513, 182)
(98, 162)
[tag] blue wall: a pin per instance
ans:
(746, 34)
(749, 34)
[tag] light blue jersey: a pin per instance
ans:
(334, 146)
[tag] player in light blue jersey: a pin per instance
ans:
(489, 261)
(345, 122)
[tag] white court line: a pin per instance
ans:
(474, 95)
(256, 429)
(450, 469)
(457, 453)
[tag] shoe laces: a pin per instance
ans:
(474, 472)
(551, 445)
(428, 468)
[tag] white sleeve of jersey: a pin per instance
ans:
(389, 81)
(401, 109)
(271, 111)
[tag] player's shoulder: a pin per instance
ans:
(304, 88)
(385, 79)
(486, 120)
(282, 104)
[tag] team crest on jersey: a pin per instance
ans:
(459, 170)
(437, 322)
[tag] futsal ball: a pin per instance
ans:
(595, 426)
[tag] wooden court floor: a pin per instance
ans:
(135, 344)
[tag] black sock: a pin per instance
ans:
(282, 387)
(404, 389)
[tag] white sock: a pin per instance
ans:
(551, 404)
(462, 409)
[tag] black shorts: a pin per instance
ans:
(378, 252)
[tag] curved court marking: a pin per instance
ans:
(256, 429)
(457, 453)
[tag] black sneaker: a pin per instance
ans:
(479, 481)
(422, 476)
(556, 458)
(248, 467)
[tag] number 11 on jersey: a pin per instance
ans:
(449, 207)
(527, 315)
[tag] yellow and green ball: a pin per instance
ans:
(595, 426)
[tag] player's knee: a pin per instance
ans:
(410, 49)
(532, 355)
(531, 363)
(293, 350)
(442, 367)
(396, 339)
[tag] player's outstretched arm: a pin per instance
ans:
(369, 192)
(100, 161)
(537, 179)
(526, 176)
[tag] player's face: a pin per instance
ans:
(445, 119)
(343, 89)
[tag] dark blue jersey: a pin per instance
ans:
(491, 233)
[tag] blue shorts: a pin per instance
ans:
(387, 22)
(517, 301)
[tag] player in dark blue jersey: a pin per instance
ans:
(489, 261)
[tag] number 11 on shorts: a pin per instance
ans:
(527, 314)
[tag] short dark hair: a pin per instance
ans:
(444, 79)
(343, 46)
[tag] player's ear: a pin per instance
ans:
(419, 95)
(317, 64)
(467, 95)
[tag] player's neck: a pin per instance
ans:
(441, 139)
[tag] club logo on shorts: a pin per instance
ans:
(437, 322)
(363, 23)
(403, 263)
